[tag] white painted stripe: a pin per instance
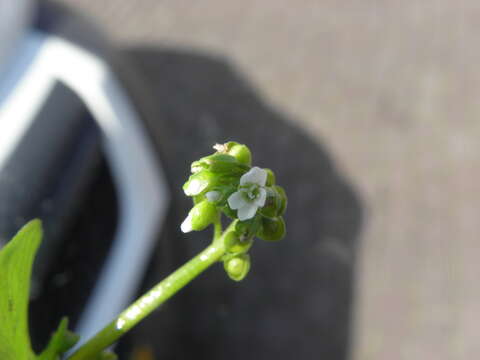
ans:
(142, 189)
(140, 182)
(22, 93)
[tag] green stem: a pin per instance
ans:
(217, 227)
(151, 300)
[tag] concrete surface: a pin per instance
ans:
(390, 89)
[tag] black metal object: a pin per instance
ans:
(47, 173)
(79, 237)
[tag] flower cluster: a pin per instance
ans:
(226, 183)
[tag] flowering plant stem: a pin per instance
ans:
(154, 297)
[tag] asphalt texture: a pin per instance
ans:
(368, 113)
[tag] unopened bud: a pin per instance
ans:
(201, 215)
(270, 177)
(275, 203)
(237, 267)
(200, 182)
(283, 200)
(240, 152)
(221, 164)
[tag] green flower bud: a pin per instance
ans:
(198, 166)
(235, 243)
(207, 162)
(198, 199)
(210, 159)
(200, 216)
(240, 152)
(248, 228)
(237, 267)
(283, 199)
(272, 204)
(275, 203)
(270, 177)
(272, 229)
(232, 214)
(200, 182)
(221, 164)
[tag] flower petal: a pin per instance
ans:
(254, 176)
(187, 224)
(262, 197)
(221, 148)
(213, 196)
(247, 212)
(236, 201)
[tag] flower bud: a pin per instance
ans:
(272, 204)
(199, 217)
(272, 229)
(200, 182)
(237, 267)
(198, 166)
(235, 243)
(206, 162)
(270, 177)
(283, 200)
(220, 164)
(240, 152)
(248, 228)
(275, 203)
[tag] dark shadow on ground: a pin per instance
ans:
(297, 300)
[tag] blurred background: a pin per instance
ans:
(368, 112)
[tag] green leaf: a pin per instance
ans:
(61, 341)
(106, 355)
(16, 260)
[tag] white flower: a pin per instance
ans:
(251, 194)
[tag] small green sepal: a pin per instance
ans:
(248, 228)
(236, 244)
(272, 229)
